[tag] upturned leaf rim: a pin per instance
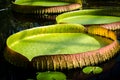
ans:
(69, 61)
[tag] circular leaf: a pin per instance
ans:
(40, 3)
(51, 76)
(88, 70)
(90, 16)
(43, 6)
(92, 69)
(61, 46)
(89, 19)
(97, 70)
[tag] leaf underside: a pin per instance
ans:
(112, 26)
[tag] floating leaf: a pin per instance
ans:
(97, 70)
(61, 46)
(90, 16)
(88, 70)
(89, 19)
(51, 76)
(92, 69)
(43, 6)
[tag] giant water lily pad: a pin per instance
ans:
(41, 3)
(44, 6)
(107, 18)
(56, 43)
(90, 16)
(89, 19)
(61, 46)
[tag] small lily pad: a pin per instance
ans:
(92, 69)
(97, 70)
(51, 76)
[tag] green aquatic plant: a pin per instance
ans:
(51, 76)
(90, 16)
(61, 46)
(92, 69)
(45, 6)
(107, 18)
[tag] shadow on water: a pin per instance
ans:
(10, 24)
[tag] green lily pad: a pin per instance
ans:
(61, 46)
(97, 70)
(55, 43)
(51, 76)
(88, 17)
(92, 69)
(40, 3)
(87, 70)
(31, 45)
(44, 6)
(49, 41)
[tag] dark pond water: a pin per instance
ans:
(11, 23)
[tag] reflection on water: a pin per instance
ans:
(9, 24)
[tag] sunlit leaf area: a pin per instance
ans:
(59, 40)
(42, 3)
